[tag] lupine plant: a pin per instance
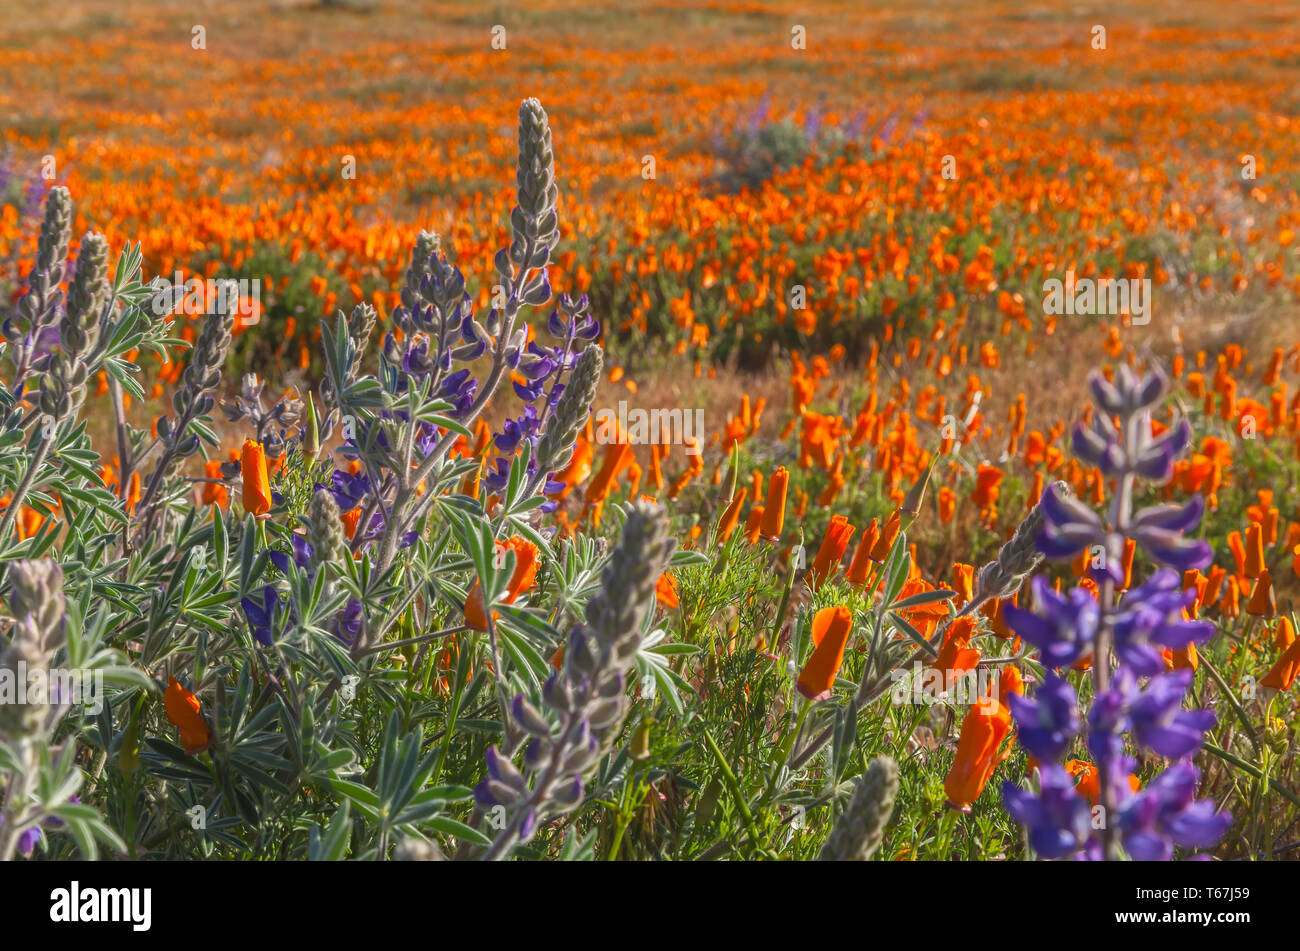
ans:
(1121, 638)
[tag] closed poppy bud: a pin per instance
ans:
(639, 748)
(963, 582)
(886, 540)
(830, 632)
(774, 507)
(708, 801)
(128, 757)
(754, 524)
(1130, 548)
(311, 432)
(1254, 551)
(1284, 636)
(860, 568)
(182, 709)
(731, 516)
(912, 503)
(257, 483)
(1262, 603)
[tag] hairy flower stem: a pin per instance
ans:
(19, 791)
(1121, 512)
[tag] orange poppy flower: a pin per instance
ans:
(1284, 672)
(833, 546)
(521, 580)
(1254, 562)
(666, 590)
(978, 754)
(956, 656)
(963, 582)
(987, 480)
(183, 713)
(214, 493)
(1284, 636)
(830, 633)
(1262, 603)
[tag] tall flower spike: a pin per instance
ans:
(535, 216)
(861, 826)
(37, 604)
(587, 695)
(38, 307)
(325, 532)
(63, 389)
(1147, 621)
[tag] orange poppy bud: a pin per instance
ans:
(963, 582)
(830, 633)
(887, 537)
(861, 565)
(1284, 636)
(257, 483)
(774, 507)
(731, 516)
(1254, 551)
(754, 524)
(1130, 548)
(182, 709)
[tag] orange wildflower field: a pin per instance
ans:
(906, 350)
